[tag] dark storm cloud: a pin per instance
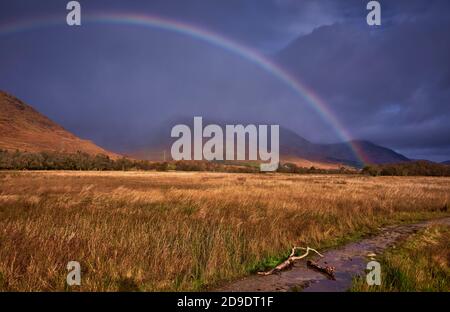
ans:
(114, 84)
(391, 84)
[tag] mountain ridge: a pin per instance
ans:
(293, 148)
(24, 128)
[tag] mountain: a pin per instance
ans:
(344, 153)
(293, 148)
(24, 128)
(446, 162)
(371, 152)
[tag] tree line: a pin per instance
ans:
(19, 160)
(410, 168)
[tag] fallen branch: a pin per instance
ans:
(327, 270)
(289, 262)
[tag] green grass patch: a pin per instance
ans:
(421, 263)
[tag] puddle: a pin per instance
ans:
(349, 260)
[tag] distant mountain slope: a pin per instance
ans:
(295, 145)
(23, 128)
(293, 148)
(446, 162)
(371, 153)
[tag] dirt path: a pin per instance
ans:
(349, 261)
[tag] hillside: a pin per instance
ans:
(25, 129)
(291, 144)
(372, 153)
(293, 148)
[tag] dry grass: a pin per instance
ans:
(186, 231)
(422, 263)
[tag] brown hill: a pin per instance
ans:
(25, 129)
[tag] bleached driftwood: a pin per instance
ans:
(290, 260)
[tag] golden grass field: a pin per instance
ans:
(154, 231)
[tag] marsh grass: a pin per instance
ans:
(148, 231)
(422, 263)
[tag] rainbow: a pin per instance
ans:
(204, 35)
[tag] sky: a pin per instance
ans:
(118, 83)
